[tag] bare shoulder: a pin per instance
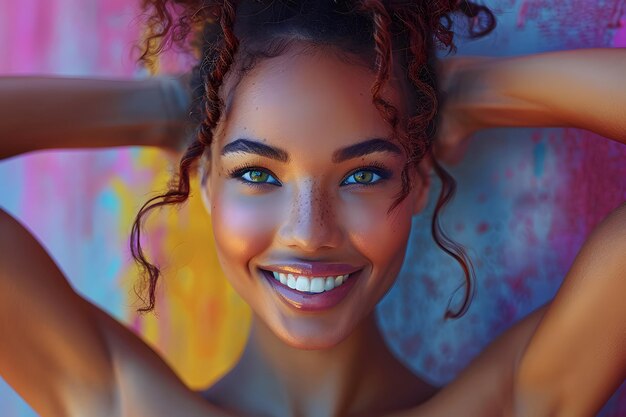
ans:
(485, 386)
(67, 357)
(50, 347)
(145, 383)
(586, 315)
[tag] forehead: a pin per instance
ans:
(306, 96)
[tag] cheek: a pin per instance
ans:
(380, 237)
(243, 225)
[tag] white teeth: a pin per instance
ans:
(291, 281)
(317, 284)
(310, 284)
(339, 280)
(329, 284)
(303, 284)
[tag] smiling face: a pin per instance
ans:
(302, 173)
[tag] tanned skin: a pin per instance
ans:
(66, 357)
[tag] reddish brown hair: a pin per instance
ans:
(232, 34)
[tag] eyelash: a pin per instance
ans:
(377, 168)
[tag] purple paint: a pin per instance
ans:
(574, 24)
(619, 40)
(593, 185)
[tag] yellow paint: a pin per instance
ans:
(201, 325)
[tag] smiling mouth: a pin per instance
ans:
(311, 293)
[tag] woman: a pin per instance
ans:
(311, 188)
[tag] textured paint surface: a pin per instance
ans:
(527, 199)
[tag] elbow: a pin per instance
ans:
(533, 396)
(540, 394)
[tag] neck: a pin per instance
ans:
(350, 378)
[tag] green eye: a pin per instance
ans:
(364, 176)
(258, 177)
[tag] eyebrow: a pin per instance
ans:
(255, 147)
(251, 146)
(365, 148)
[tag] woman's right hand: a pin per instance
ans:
(458, 83)
(581, 88)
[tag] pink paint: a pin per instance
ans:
(529, 229)
(521, 15)
(482, 228)
(619, 39)
(429, 363)
(432, 289)
(136, 324)
(22, 27)
(593, 184)
(519, 283)
(537, 135)
(620, 9)
(557, 23)
(113, 28)
(506, 314)
(411, 345)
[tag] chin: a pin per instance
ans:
(313, 342)
(312, 333)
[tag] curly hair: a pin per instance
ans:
(231, 35)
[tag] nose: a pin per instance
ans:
(311, 223)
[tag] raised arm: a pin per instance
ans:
(584, 88)
(46, 113)
(52, 351)
(68, 358)
(62, 354)
(577, 357)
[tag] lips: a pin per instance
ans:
(312, 301)
(312, 268)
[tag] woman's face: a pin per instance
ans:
(303, 170)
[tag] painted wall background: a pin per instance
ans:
(527, 199)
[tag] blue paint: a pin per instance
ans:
(109, 201)
(539, 154)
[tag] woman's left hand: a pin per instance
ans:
(176, 93)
